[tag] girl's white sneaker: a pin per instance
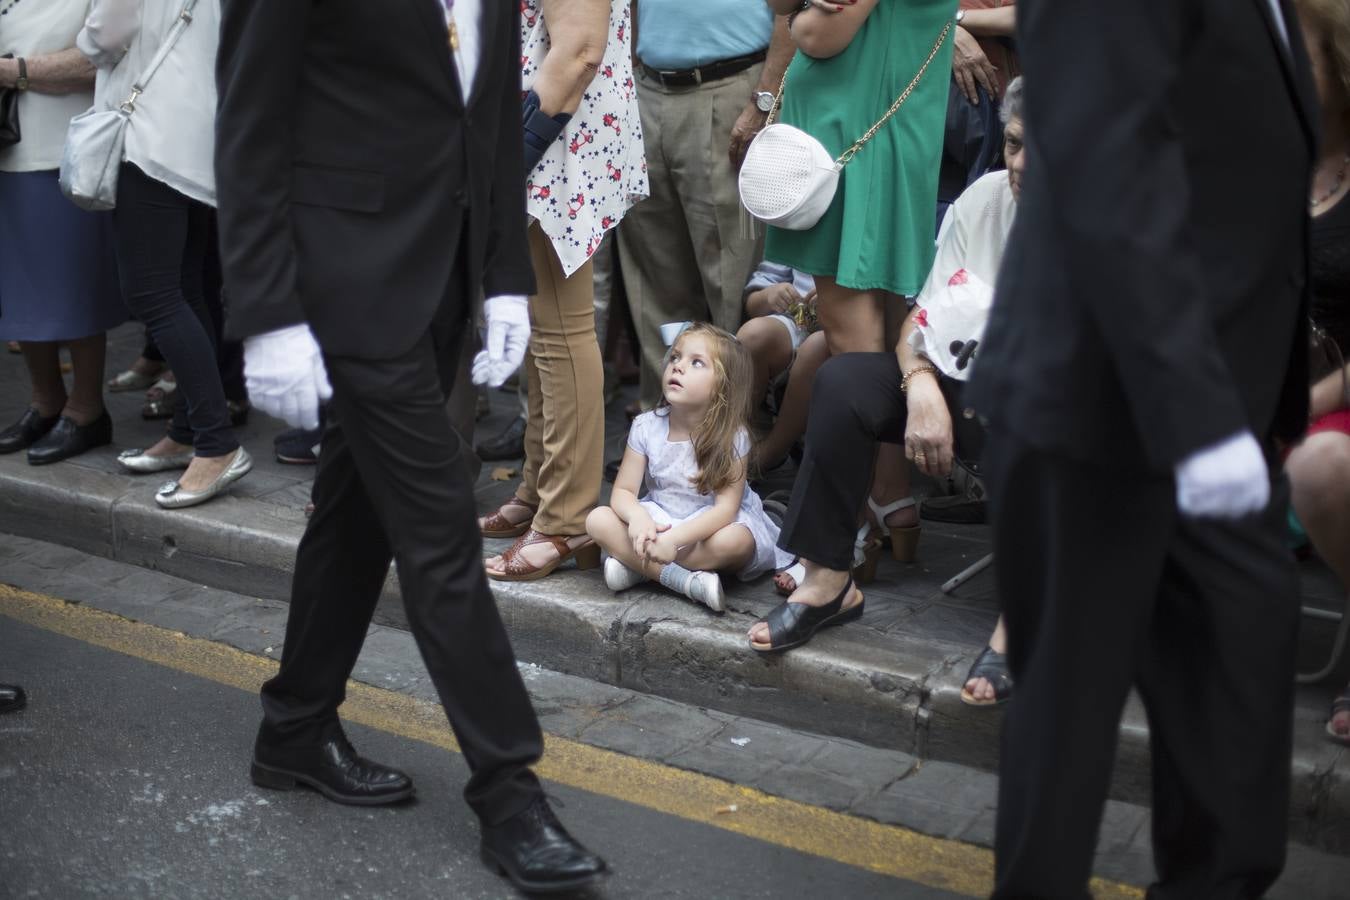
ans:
(706, 588)
(619, 577)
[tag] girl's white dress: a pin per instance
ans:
(671, 497)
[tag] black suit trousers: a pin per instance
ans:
(392, 485)
(1105, 587)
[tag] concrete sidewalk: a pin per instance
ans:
(892, 681)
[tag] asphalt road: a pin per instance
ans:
(128, 778)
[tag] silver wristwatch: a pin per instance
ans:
(763, 101)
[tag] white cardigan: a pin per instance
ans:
(36, 29)
(171, 136)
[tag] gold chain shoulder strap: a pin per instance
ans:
(899, 101)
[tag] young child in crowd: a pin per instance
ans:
(699, 517)
(786, 347)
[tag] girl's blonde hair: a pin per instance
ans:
(1331, 18)
(728, 414)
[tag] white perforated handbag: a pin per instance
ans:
(788, 178)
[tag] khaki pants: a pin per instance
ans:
(565, 426)
(688, 250)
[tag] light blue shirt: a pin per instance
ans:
(682, 34)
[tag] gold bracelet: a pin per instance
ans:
(917, 370)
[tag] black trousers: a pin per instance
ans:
(392, 484)
(1105, 587)
(855, 402)
(164, 242)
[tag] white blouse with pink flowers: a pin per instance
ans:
(596, 169)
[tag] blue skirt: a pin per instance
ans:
(58, 268)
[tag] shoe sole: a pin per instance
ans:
(297, 460)
(539, 887)
(285, 780)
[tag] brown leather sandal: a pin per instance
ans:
(497, 525)
(516, 568)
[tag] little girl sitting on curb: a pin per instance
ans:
(699, 518)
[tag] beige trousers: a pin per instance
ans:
(687, 251)
(565, 426)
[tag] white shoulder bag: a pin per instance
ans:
(788, 179)
(95, 142)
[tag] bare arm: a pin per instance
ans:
(751, 119)
(577, 31)
(998, 22)
(822, 34)
(62, 72)
(726, 504)
(1329, 394)
(928, 422)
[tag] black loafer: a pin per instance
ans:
(537, 854)
(332, 768)
(25, 432)
(66, 439)
(12, 697)
(510, 444)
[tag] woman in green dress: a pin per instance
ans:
(874, 245)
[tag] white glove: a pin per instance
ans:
(508, 333)
(285, 376)
(1226, 480)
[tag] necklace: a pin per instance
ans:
(1315, 202)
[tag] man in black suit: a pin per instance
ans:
(1145, 352)
(370, 179)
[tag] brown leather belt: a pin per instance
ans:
(702, 74)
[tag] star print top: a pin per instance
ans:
(596, 169)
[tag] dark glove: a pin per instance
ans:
(540, 130)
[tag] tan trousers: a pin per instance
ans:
(686, 251)
(565, 427)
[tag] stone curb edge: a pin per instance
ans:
(866, 689)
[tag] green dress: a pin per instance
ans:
(879, 231)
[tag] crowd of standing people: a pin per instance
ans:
(1040, 281)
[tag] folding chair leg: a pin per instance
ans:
(1337, 647)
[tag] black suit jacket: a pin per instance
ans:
(1153, 296)
(348, 165)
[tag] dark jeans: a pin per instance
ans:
(392, 485)
(855, 402)
(163, 240)
(230, 353)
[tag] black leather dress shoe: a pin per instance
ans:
(333, 769)
(510, 444)
(533, 850)
(24, 432)
(66, 439)
(12, 697)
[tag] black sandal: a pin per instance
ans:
(793, 624)
(993, 668)
(1339, 705)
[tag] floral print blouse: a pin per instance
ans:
(596, 169)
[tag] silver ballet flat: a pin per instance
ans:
(172, 495)
(139, 461)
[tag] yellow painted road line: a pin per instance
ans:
(885, 849)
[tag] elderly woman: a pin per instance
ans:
(58, 277)
(1319, 467)
(584, 159)
(910, 397)
(166, 196)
